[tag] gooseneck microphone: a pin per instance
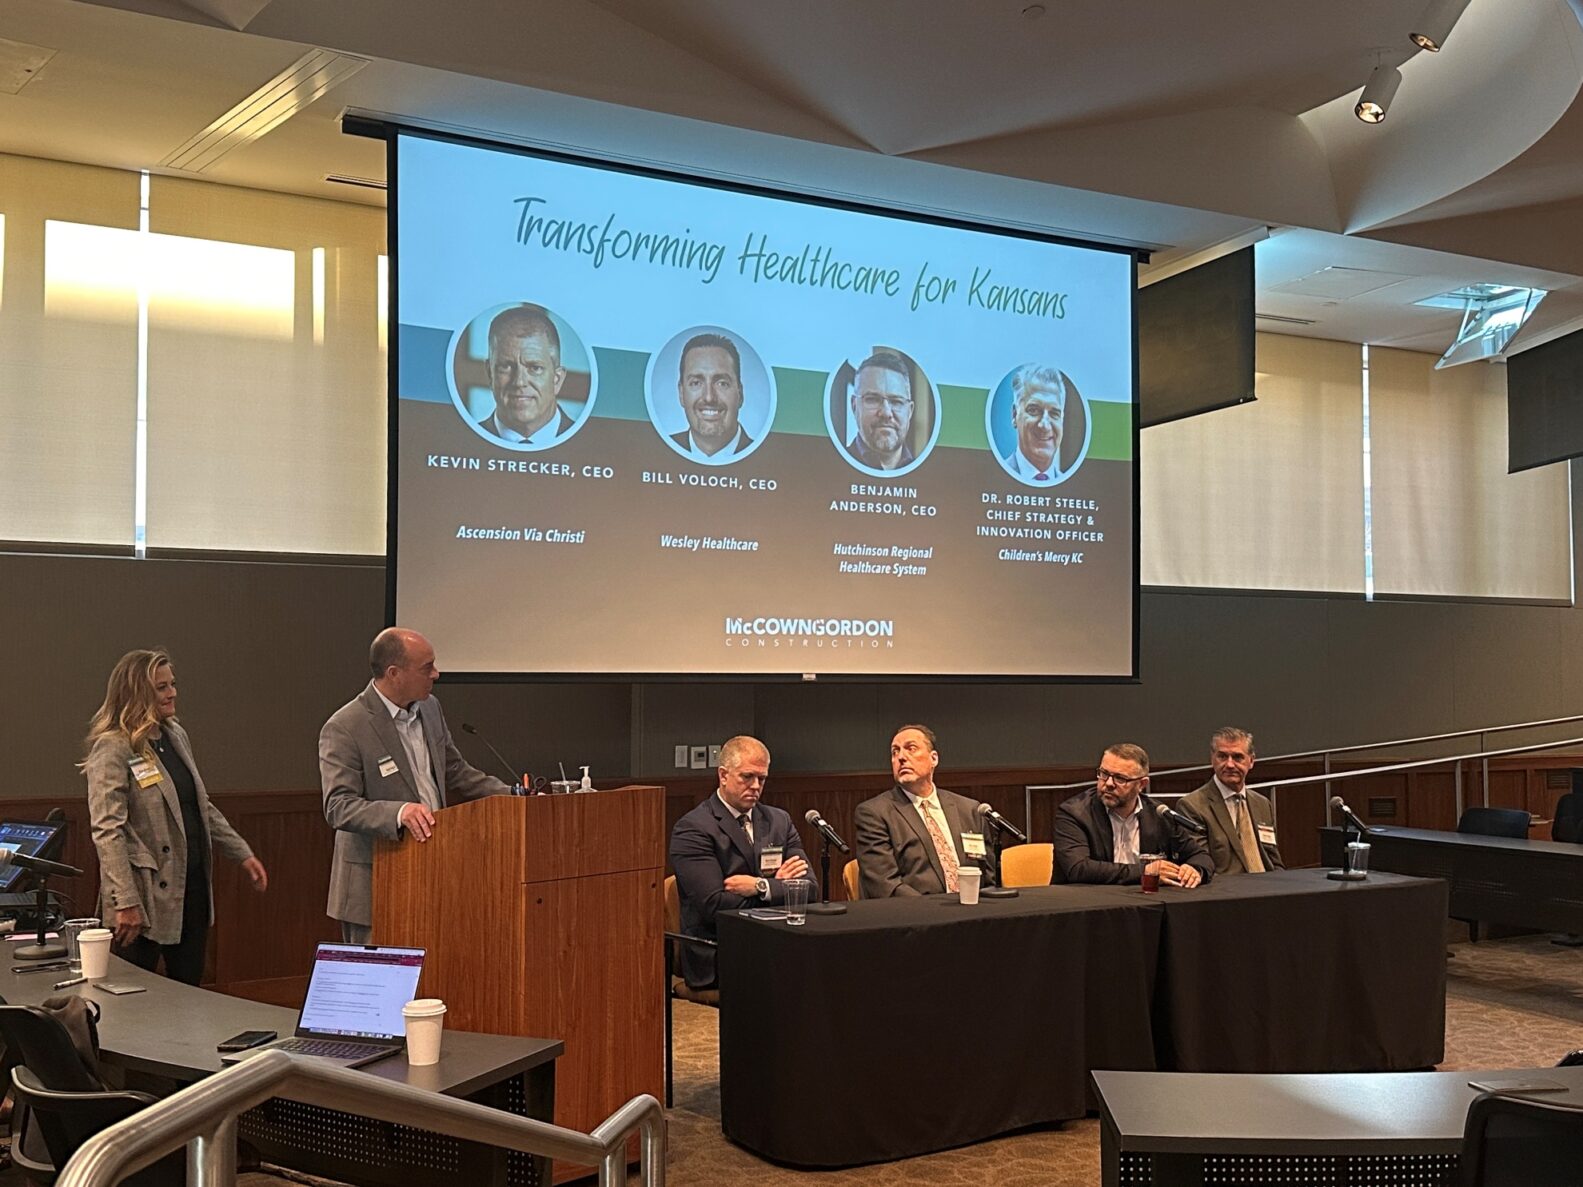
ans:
(985, 812)
(513, 776)
(10, 857)
(1340, 805)
(1181, 819)
(829, 834)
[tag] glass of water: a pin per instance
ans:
(69, 931)
(797, 901)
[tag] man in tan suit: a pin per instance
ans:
(1239, 824)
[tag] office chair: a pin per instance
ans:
(675, 985)
(1027, 865)
(1495, 822)
(851, 878)
(1511, 1141)
(68, 1119)
(1568, 822)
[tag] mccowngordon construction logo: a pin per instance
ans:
(784, 631)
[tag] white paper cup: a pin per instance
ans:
(967, 885)
(425, 1019)
(93, 945)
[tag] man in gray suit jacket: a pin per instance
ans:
(1239, 824)
(387, 763)
(913, 838)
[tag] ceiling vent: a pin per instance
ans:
(305, 80)
(367, 183)
(1285, 321)
(1339, 284)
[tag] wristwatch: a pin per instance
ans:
(764, 888)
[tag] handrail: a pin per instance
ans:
(1342, 776)
(202, 1117)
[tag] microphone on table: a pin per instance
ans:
(10, 857)
(516, 779)
(1181, 819)
(988, 813)
(1340, 805)
(829, 834)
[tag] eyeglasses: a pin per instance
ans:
(896, 405)
(1103, 776)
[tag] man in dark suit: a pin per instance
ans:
(526, 375)
(1239, 825)
(914, 838)
(709, 387)
(1102, 835)
(387, 763)
(733, 851)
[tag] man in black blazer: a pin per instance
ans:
(914, 838)
(526, 375)
(733, 851)
(1101, 835)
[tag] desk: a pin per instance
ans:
(1512, 881)
(170, 1032)
(1018, 1000)
(1384, 1128)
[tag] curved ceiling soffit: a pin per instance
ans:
(1511, 69)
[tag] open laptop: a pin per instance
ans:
(352, 1013)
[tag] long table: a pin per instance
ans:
(1513, 881)
(1380, 1129)
(932, 1025)
(168, 1034)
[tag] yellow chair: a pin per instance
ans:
(1027, 865)
(675, 985)
(854, 883)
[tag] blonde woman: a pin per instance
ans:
(153, 823)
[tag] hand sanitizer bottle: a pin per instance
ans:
(587, 784)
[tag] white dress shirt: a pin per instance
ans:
(1024, 468)
(763, 884)
(547, 433)
(1124, 833)
(929, 805)
(1232, 806)
(410, 727)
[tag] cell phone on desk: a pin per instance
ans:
(248, 1038)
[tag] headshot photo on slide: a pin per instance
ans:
(521, 377)
(882, 412)
(1038, 424)
(710, 397)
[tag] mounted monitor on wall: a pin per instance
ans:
(650, 426)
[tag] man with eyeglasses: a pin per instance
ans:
(916, 837)
(1239, 824)
(1103, 835)
(733, 851)
(882, 410)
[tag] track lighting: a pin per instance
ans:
(1436, 24)
(1377, 95)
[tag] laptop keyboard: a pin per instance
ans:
(329, 1048)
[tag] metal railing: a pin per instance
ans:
(1328, 753)
(203, 1119)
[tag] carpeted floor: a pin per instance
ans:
(1509, 1003)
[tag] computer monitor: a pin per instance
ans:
(31, 839)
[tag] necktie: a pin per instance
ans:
(942, 847)
(1251, 858)
(747, 825)
(1041, 476)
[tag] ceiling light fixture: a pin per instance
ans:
(1377, 95)
(1436, 24)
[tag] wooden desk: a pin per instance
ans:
(169, 1033)
(1387, 1127)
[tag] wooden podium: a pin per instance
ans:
(543, 916)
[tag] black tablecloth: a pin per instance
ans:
(918, 1024)
(1290, 972)
(911, 1025)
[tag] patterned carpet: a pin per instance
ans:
(1509, 1003)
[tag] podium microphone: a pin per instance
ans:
(1340, 805)
(1181, 819)
(9, 857)
(829, 834)
(988, 813)
(514, 776)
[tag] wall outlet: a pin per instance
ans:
(714, 756)
(681, 757)
(700, 755)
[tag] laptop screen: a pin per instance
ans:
(30, 840)
(357, 992)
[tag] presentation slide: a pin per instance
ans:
(646, 426)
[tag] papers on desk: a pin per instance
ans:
(1516, 1087)
(765, 912)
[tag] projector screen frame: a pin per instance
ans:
(391, 130)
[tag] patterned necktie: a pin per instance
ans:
(747, 825)
(942, 847)
(1041, 476)
(1251, 859)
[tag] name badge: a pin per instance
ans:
(770, 859)
(1267, 833)
(145, 772)
(973, 844)
(387, 767)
